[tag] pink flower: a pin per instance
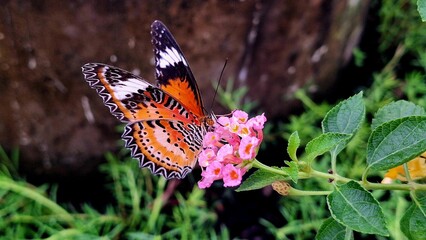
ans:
(230, 148)
(240, 116)
(210, 139)
(206, 156)
(231, 175)
(248, 147)
(244, 130)
(205, 183)
(224, 152)
(231, 138)
(258, 122)
(213, 171)
(222, 122)
(233, 126)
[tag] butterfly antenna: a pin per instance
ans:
(218, 84)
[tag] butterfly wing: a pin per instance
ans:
(161, 133)
(130, 98)
(172, 70)
(168, 148)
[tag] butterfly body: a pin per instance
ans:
(165, 123)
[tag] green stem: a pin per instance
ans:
(297, 227)
(364, 175)
(407, 172)
(333, 163)
(416, 201)
(37, 197)
(297, 192)
(348, 233)
(372, 186)
(156, 207)
(367, 185)
(134, 192)
(336, 177)
(64, 234)
(311, 105)
(262, 166)
(393, 186)
(399, 52)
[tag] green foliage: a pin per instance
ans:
(403, 34)
(9, 164)
(421, 7)
(139, 212)
(346, 117)
(396, 142)
(293, 145)
(395, 110)
(347, 136)
(415, 86)
(261, 178)
(292, 170)
(303, 217)
(400, 25)
(413, 222)
(354, 207)
(331, 229)
(359, 57)
(324, 143)
(398, 137)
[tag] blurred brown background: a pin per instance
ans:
(60, 125)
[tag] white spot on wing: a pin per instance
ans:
(170, 57)
(130, 86)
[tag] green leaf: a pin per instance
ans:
(395, 110)
(413, 223)
(353, 206)
(396, 142)
(293, 145)
(324, 143)
(345, 117)
(332, 230)
(421, 7)
(259, 179)
(292, 170)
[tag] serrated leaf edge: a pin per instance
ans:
(312, 155)
(375, 200)
(293, 137)
(377, 129)
(361, 93)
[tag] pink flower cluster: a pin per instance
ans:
(230, 148)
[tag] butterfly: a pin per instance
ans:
(166, 122)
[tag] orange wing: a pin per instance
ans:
(169, 148)
(160, 132)
(172, 70)
(132, 99)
